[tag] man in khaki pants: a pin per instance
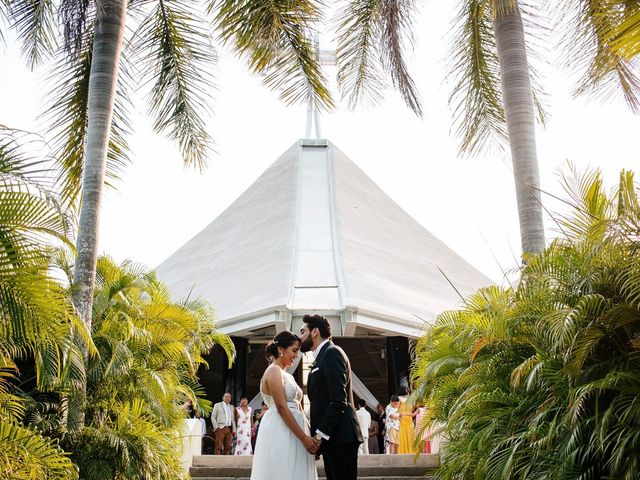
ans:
(224, 425)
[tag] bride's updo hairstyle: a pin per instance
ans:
(283, 339)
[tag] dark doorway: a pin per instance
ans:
(367, 357)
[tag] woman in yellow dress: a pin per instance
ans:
(406, 422)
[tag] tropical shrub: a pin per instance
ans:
(36, 320)
(143, 351)
(148, 353)
(542, 380)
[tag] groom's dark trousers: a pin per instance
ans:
(333, 413)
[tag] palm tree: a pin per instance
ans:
(371, 39)
(520, 120)
(172, 47)
(496, 96)
(145, 349)
(541, 381)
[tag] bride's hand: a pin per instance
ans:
(310, 444)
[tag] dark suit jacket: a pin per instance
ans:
(331, 397)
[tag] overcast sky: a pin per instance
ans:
(469, 203)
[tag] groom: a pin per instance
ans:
(333, 418)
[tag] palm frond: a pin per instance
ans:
(478, 112)
(625, 37)
(26, 455)
(74, 16)
(67, 116)
(591, 27)
(358, 52)
(396, 30)
(371, 40)
(176, 52)
(275, 38)
(35, 23)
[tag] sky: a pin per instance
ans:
(469, 203)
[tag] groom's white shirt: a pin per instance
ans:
(318, 348)
(315, 352)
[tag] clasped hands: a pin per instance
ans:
(311, 444)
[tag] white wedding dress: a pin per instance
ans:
(278, 453)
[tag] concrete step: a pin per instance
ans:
(370, 467)
(199, 472)
(421, 477)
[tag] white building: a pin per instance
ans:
(314, 234)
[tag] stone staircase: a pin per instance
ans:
(370, 467)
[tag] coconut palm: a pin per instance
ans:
(496, 96)
(489, 45)
(171, 48)
(541, 381)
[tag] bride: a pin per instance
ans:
(283, 443)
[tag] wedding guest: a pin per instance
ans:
(244, 426)
(373, 438)
(224, 425)
(201, 422)
(393, 424)
(188, 408)
(364, 419)
(405, 436)
(382, 419)
(257, 418)
(421, 417)
(203, 426)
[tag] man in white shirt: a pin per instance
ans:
(364, 419)
(224, 425)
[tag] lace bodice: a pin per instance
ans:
(291, 389)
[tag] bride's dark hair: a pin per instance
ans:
(283, 339)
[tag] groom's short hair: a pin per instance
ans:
(319, 322)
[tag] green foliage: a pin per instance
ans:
(27, 455)
(543, 380)
(275, 38)
(600, 42)
(372, 35)
(148, 353)
(144, 349)
(36, 319)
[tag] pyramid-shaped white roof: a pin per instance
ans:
(314, 234)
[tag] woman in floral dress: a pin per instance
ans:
(244, 424)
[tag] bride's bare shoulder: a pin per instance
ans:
(272, 371)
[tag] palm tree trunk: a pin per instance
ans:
(520, 117)
(105, 60)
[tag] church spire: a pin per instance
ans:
(325, 58)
